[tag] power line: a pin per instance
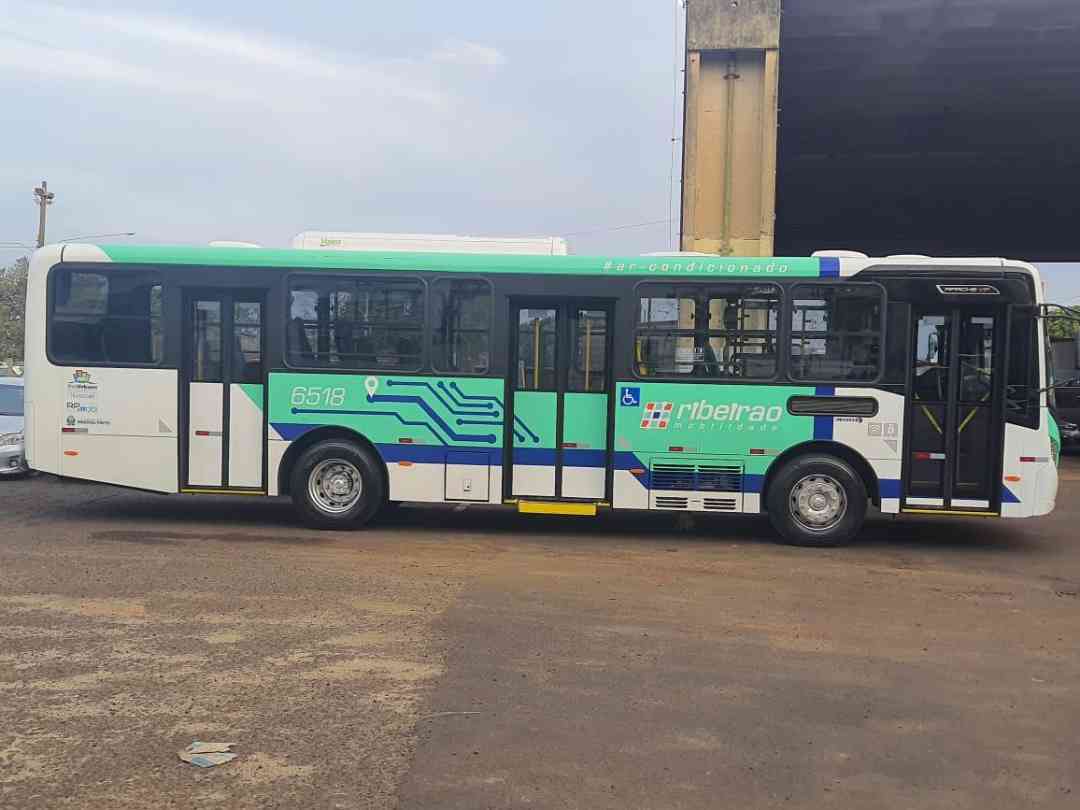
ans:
(674, 121)
(94, 236)
(620, 227)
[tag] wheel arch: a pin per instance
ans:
(858, 462)
(328, 433)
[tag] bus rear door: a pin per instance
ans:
(223, 396)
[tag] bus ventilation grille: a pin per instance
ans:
(720, 505)
(696, 478)
(663, 502)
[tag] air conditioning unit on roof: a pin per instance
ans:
(429, 243)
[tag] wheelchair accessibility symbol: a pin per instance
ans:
(630, 398)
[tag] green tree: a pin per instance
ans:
(12, 310)
(1066, 325)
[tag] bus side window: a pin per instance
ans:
(836, 332)
(112, 318)
(897, 338)
(461, 326)
(1022, 390)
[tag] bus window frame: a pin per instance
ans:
(358, 275)
(789, 314)
(705, 287)
(105, 269)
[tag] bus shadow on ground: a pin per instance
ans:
(130, 518)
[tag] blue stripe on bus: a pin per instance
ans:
(436, 454)
(1007, 495)
(629, 461)
(889, 488)
(823, 425)
(433, 454)
(584, 458)
(829, 267)
(752, 484)
(534, 457)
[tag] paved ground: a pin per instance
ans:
(476, 659)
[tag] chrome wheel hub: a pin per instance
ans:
(335, 486)
(818, 502)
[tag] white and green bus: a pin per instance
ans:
(808, 389)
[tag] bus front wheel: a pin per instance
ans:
(817, 500)
(337, 484)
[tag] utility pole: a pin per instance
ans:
(43, 198)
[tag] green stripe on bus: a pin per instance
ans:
(254, 393)
(653, 266)
(535, 416)
(585, 421)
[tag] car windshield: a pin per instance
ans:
(11, 400)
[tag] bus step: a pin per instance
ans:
(574, 509)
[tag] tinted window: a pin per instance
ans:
(1022, 389)
(207, 363)
(537, 329)
(112, 318)
(247, 342)
(461, 326)
(11, 400)
(713, 332)
(356, 324)
(897, 349)
(588, 369)
(836, 332)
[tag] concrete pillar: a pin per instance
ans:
(729, 132)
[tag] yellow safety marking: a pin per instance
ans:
(221, 492)
(971, 416)
(967, 421)
(557, 508)
(950, 512)
(933, 421)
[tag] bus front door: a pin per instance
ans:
(955, 419)
(223, 397)
(557, 421)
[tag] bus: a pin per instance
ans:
(807, 389)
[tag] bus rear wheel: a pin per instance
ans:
(817, 500)
(337, 484)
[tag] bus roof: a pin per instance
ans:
(682, 266)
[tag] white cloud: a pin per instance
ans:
(45, 60)
(472, 54)
(165, 51)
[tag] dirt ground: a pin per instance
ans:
(475, 659)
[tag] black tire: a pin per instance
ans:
(803, 507)
(339, 466)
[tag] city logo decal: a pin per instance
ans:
(705, 415)
(81, 377)
(657, 416)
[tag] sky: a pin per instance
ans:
(254, 120)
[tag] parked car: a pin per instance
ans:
(12, 455)
(1070, 433)
(1067, 411)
